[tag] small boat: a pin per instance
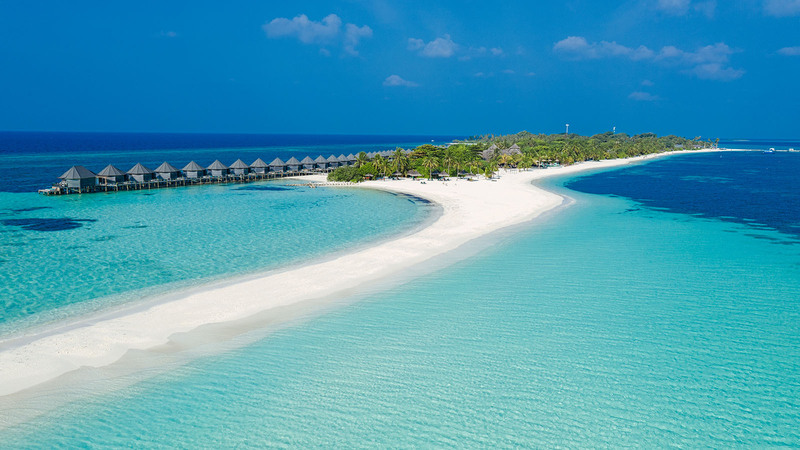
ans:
(771, 150)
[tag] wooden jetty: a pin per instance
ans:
(80, 180)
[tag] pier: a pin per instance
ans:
(80, 180)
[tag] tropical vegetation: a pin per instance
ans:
(486, 154)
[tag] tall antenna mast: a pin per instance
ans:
(567, 130)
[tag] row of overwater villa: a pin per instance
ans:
(79, 179)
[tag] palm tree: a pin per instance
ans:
(430, 163)
(400, 162)
(449, 160)
(361, 159)
(380, 164)
(506, 160)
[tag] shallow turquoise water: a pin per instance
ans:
(608, 324)
(66, 256)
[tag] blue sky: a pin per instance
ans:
(716, 69)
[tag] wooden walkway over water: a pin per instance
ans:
(60, 189)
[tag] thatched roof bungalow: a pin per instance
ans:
(239, 167)
(79, 177)
(167, 171)
(277, 165)
(259, 166)
(140, 173)
(333, 162)
(307, 163)
(110, 175)
(321, 162)
(193, 170)
(489, 152)
(217, 169)
(513, 150)
(293, 165)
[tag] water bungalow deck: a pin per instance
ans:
(63, 189)
(80, 180)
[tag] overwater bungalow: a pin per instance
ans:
(333, 162)
(341, 160)
(110, 175)
(79, 177)
(351, 159)
(259, 166)
(321, 162)
(293, 165)
(140, 173)
(277, 165)
(217, 169)
(193, 170)
(239, 167)
(307, 163)
(167, 171)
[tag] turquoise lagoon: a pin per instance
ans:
(613, 322)
(64, 257)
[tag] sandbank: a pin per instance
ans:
(470, 209)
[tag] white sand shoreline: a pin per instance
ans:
(469, 210)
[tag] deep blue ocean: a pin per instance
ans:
(34, 160)
(661, 308)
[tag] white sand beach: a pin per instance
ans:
(470, 209)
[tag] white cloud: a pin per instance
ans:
(509, 72)
(396, 80)
(790, 51)
(683, 7)
(782, 8)
(168, 34)
(677, 7)
(326, 31)
(353, 35)
(307, 31)
(716, 71)
(445, 47)
(647, 83)
(709, 62)
(643, 96)
(578, 47)
(442, 47)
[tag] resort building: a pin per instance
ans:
(341, 160)
(321, 162)
(167, 171)
(259, 166)
(513, 150)
(489, 152)
(239, 167)
(351, 159)
(110, 175)
(217, 169)
(79, 177)
(307, 163)
(277, 165)
(193, 170)
(140, 173)
(293, 165)
(333, 162)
